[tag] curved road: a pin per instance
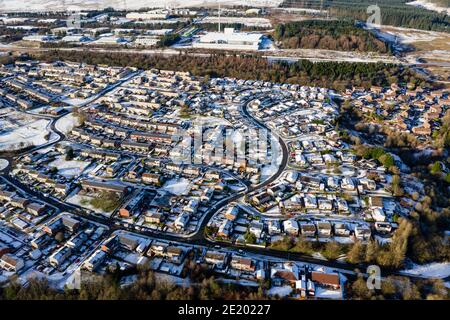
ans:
(197, 238)
(199, 233)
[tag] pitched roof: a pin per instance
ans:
(326, 278)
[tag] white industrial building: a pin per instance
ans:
(108, 40)
(251, 22)
(158, 32)
(76, 38)
(149, 15)
(146, 40)
(38, 38)
(230, 40)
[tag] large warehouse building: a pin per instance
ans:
(230, 40)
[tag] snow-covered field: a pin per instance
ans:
(77, 101)
(177, 186)
(404, 35)
(22, 130)
(441, 55)
(66, 123)
(84, 201)
(331, 55)
(429, 6)
(328, 294)
(280, 291)
(432, 270)
(269, 170)
(257, 22)
(53, 5)
(69, 169)
(3, 164)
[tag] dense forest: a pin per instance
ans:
(330, 35)
(10, 35)
(337, 75)
(393, 12)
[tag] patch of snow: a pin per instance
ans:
(177, 186)
(84, 201)
(75, 101)
(3, 278)
(432, 270)
(429, 6)
(280, 291)
(3, 164)
(318, 255)
(268, 171)
(273, 211)
(327, 294)
(30, 133)
(66, 123)
(399, 35)
(69, 169)
(241, 282)
(344, 240)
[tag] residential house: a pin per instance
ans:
(243, 264)
(329, 280)
(10, 262)
(225, 229)
(324, 229)
(231, 213)
(216, 258)
(256, 228)
(362, 232)
(308, 229)
(291, 227)
(182, 220)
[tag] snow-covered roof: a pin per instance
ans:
(230, 36)
(75, 38)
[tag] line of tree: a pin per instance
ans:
(393, 12)
(330, 35)
(200, 285)
(168, 40)
(337, 75)
(11, 35)
(398, 288)
(236, 26)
